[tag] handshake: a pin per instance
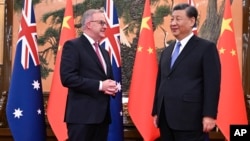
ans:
(110, 87)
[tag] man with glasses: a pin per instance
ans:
(86, 71)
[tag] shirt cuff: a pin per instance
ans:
(100, 86)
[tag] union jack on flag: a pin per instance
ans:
(112, 44)
(24, 109)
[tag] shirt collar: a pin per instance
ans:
(89, 38)
(186, 39)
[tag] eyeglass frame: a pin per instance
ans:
(101, 22)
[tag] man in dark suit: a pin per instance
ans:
(86, 72)
(187, 90)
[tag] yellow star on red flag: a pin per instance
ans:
(150, 50)
(233, 52)
(232, 108)
(139, 49)
(142, 86)
(56, 105)
(226, 25)
(65, 22)
(144, 23)
(222, 50)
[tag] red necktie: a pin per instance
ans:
(97, 51)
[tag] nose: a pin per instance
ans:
(105, 25)
(173, 22)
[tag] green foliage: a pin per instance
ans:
(160, 12)
(51, 36)
(57, 16)
(45, 70)
(18, 4)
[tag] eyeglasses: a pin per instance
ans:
(101, 22)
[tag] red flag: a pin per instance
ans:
(142, 87)
(58, 93)
(231, 108)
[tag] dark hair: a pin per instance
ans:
(191, 11)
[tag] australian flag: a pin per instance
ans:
(112, 44)
(25, 111)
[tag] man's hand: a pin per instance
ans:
(109, 87)
(155, 121)
(208, 124)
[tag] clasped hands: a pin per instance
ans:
(109, 87)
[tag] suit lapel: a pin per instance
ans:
(89, 48)
(166, 58)
(169, 55)
(186, 50)
(106, 58)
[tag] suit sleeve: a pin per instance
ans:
(71, 68)
(212, 80)
(158, 80)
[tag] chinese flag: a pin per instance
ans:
(143, 80)
(231, 108)
(58, 93)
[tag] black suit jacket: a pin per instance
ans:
(190, 90)
(81, 72)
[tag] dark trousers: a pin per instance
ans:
(88, 132)
(169, 134)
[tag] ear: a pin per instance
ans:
(192, 22)
(88, 25)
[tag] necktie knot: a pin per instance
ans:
(96, 45)
(175, 53)
(178, 44)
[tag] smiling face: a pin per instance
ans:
(98, 25)
(94, 24)
(181, 25)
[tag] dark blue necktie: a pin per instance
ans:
(176, 53)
